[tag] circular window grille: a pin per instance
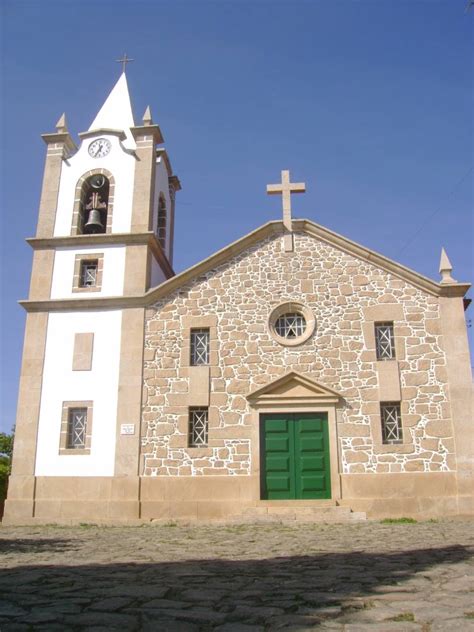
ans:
(291, 324)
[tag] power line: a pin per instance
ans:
(440, 208)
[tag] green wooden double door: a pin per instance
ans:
(295, 456)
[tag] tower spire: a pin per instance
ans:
(116, 113)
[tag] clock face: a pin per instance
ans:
(100, 148)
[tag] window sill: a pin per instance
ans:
(393, 448)
(91, 288)
(199, 452)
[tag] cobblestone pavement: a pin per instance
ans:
(249, 578)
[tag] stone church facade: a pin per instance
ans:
(292, 368)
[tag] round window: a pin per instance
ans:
(291, 324)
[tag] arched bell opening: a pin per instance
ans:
(94, 205)
(161, 223)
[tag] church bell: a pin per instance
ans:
(93, 224)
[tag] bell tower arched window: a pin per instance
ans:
(93, 205)
(161, 222)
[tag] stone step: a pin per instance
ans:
(291, 513)
(296, 503)
(305, 510)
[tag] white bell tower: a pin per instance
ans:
(104, 237)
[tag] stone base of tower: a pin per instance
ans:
(72, 499)
(135, 500)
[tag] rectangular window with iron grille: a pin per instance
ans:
(384, 341)
(199, 347)
(88, 273)
(76, 428)
(198, 427)
(391, 422)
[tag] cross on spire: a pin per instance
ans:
(124, 61)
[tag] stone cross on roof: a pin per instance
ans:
(285, 189)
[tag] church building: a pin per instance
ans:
(294, 373)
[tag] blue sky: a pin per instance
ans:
(368, 102)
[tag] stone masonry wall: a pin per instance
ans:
(337, 287)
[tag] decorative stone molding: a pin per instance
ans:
(383, 312)
(63, 448)
(82, 354)
(289, 307)
(99, 131)
(76, 281)
(293, 389)
(199, 322)
(388, 374)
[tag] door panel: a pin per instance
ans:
(279, 447)
(295, 459)
(312, 456)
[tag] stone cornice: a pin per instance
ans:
(220, 257)
(361, 252)
(60, 138)
(103, 130)
(162, 153)
(275, 227)
(141, 131)
(79, 304)
(78, 241)
(175, 182)
(216, 259)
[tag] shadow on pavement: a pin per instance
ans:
(207, 594)
(33, 545)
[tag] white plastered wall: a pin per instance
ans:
(120, 162)
(157, 274)
(61, 383)
(112, 276)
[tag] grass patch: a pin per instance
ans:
(404, 616)
(88, 525)
(398, 521)
(469, 615)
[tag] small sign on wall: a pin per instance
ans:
(127, 429)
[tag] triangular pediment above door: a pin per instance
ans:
(293, 389)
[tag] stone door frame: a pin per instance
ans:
(295, 393)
